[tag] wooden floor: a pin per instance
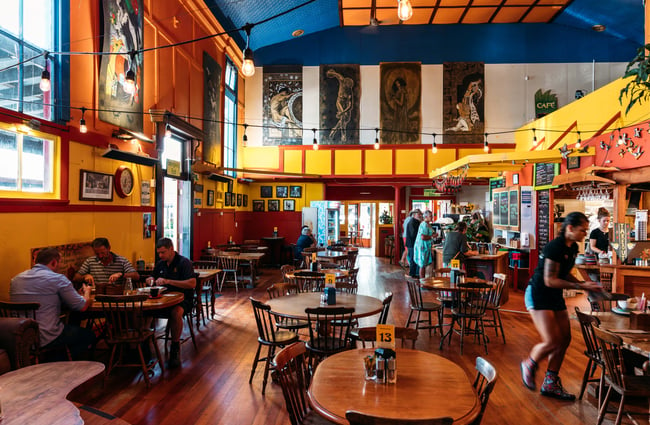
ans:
(212, 386)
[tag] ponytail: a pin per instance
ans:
(602, 212)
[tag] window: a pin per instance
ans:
(27, 31)
(230, 118)
(26, 163)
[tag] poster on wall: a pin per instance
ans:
(145, 192)
(282, 102)
(340, 91)
(120, 103)
(399, 102)
(211, 120)
(146, 225)
(463, 114)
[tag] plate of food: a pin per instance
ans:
(621, 311)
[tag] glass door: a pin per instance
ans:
(177, 210)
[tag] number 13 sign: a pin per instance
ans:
(386, 336)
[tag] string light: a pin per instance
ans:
(245, 137)
(314, 145)
(404, 10)
(376, 138)
(579, 142)
(248, 66)
(486, 147)
(45, 83)
(129, 81)
(434, 148)
(82, 121)
(168, 132)
(534, 137)
(621, 138)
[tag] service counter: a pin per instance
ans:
(625, 279)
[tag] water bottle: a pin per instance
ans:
(128, 286)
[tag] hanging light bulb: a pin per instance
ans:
(434, 148)
(129, 81)
(168, 132)
(376, 138)
(82, 121)
(314, 145)
(621, 138)
(45, 83)
(404, 10)
(486, 146)
(248, 66)
(245, 137)
(534, 137)
(579, 142)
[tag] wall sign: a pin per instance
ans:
(543, 215)
(544, 174)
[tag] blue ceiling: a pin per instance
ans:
(569, 37)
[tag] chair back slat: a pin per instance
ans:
(497, 291)
(383, 316)
(208, 265)
(471, 299)
(285, 270)
(358, 418)
(229, 263)
(292, 373)
(264, 320)
(124, 316)
(587, 325)
(612, 356)
(329, 330)
(310, 282)
(486, 377)
(415, 292)
(25, 310)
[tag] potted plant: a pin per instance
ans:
(385, 218)
(637, 89)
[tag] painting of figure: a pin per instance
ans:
(120, 103)
(463, 100)
(211, 125)
(339, 104)
(282, 105)
(399, 102)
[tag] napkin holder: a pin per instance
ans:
(640, 320)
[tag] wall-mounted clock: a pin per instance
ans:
(124, 181)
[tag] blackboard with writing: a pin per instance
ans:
(513, 208)
(503, 208)
(544, 174)
(496, 183)
(543, 221)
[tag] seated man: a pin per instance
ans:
(44, 285)
(176, 273)
(306, 240)
(105, 268)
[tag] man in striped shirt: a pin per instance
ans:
(105, 267)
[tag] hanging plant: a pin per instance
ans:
(637, 90)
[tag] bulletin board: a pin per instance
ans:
(72, 256)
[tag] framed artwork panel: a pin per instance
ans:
(289, 205)
(266, 191)
(239, 199)
(274, 205)
(95, 186)
(210, 198)
(295, 191)
(245, 200)
(281, 192)
(258, 205)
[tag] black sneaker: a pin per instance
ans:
(174, 357)
(554, 389)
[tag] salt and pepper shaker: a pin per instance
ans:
(380, 370)
(391, 372)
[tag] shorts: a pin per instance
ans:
(542, 303)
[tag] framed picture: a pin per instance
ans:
(198, 188)
(281, 192)
(515, 179)
(266, 191)
(210, 198)
(258, 205)
(233, 199)
(289, 205)
(572, 162)
(274, 205)
(95, 186)
(295, 191)
(239, 199)
(245, 200)
(226, 199)
(230, 186)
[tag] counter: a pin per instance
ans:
(625, 279)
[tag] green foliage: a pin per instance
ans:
(637, 89)
(385, 218)
(477, 232)
(544, 97)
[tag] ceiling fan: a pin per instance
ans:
(374, 22)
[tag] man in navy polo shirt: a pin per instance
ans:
(176, 273)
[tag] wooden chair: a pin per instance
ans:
(285, 270)
(209, 288)
(369, 335)
(329, 331)
(617, 378)
(125, 324)
(310, 281)
(268, 336)
(358, 418)
(486, 377)
(383, 317)
(291, 372)
(351, 261)
(587, 325)
(229, 264)
(469, 306)
(493, 320)
(349, 283)
(279, 290)
(418, 306)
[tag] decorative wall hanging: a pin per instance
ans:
(399, 99)
(463, 116)
(281, 192)
(340, 91)
(95, 186)
(119, 102)
(295, 191)
(258, 205)
(289, 205)
(211, 116)
(282, 105)
(274, 205)
(266, 191)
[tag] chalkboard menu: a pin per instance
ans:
(514, 208)
(543, 221)
(496, 183)
(496, 218)
(544, 174)
(503, 208)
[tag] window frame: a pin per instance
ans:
(229, 159)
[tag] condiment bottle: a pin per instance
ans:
(128, 286)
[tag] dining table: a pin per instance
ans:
(428, 386)
(36, 394)
(444, 283)
(293, 306)
(164, 300)
(635, 340)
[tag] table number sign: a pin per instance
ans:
(455, 264)
(313, 257)
(330, 279)
(386, 336)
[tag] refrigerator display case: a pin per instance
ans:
(327, 223)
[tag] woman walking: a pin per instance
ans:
(423, 241)
(546, 305)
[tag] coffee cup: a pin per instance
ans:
(154, 292)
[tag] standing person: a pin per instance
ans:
(411, 234)
(547, 308)
(176, 273)
(42, 284)
(423, 241)
(599, 237)
(455, 246)
(404, 260)
(105, 267)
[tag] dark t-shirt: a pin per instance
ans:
(602, 239)
(412, 232)
(179, 269)
(303, 242)
(455, 246)
(545, 298)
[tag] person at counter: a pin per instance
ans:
(305, 240)
(411, 234)
(544, 301)
(455, 245)
(105, 267)
(599, 237)
(423, 242)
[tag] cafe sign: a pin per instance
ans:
(173, 168)
(545, 103)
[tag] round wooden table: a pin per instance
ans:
(444, 284)
(428, 386)
(166, 299)
(336, 272)
(293, 306)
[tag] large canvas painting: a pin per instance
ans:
(400, 98)
(211, 121)
(339, 104)
(282, 105)
(123, 33)
(463, 102)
